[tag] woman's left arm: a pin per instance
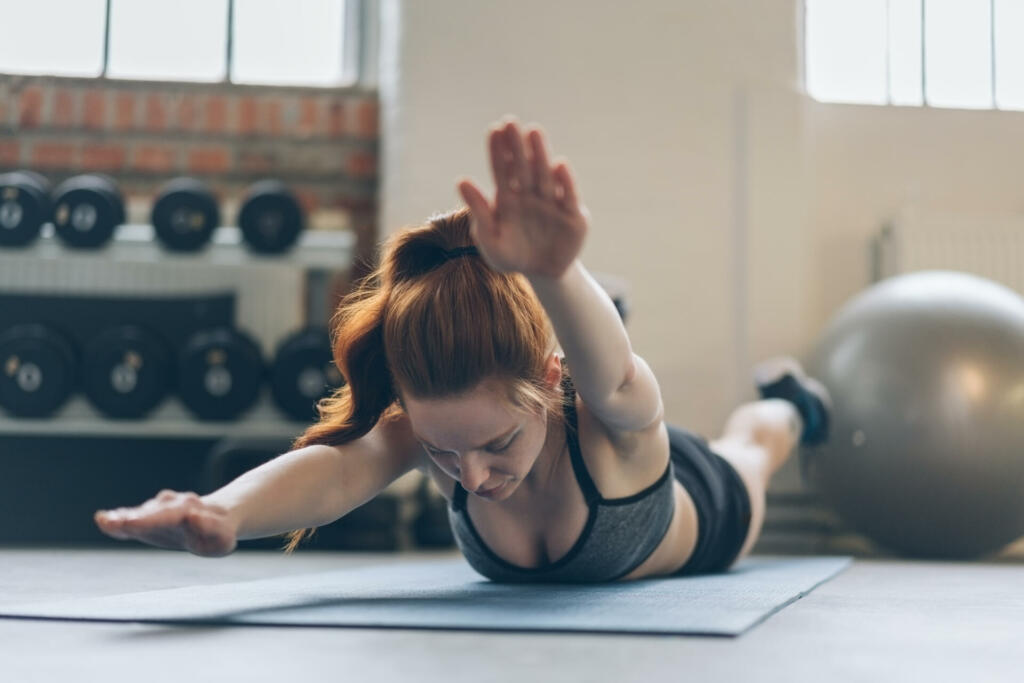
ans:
(615, 383)
(536, 226)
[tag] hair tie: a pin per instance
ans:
(460, 251)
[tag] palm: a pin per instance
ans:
(535, 225)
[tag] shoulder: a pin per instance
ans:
(621, 462)
(625, 444)
(401, 443)
(392, 439)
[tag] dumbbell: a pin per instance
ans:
(270, 217)
(24, 207)
(220, 371)
(185, 214)
(304, 372)
(38, 366)
(127, 371)
(87, 209)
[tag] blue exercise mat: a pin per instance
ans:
(447, 594)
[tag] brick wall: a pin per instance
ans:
(323, 143)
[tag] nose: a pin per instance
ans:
(473, 472)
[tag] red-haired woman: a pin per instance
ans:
(450, 353)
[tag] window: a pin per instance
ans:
(35, 43)
(272, 42)
(288, 27)
(941, 53)
(183, 40)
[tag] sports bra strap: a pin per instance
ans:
(590, 493)
(579, 468)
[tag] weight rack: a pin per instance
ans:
(276, 294)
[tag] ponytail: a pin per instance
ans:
(368, 393)
(432, 299)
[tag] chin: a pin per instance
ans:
(501, 495)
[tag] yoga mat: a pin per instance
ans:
(447, 594)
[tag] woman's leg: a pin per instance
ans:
(758, 438)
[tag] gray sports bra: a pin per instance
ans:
(619, 535)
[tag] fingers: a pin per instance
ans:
(565, 187)
(499, 158)
(164, 510)
(478, 205)
(173, 520)
(521, 162)
(543, 179)
(111, 523)
(521, 171)
(510, 161)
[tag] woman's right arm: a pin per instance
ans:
(307, 487)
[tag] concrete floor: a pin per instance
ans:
(880, 620)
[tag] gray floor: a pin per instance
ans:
(879, 620)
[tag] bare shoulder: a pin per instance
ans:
(396, 438)
(390, 447)
(622, 462)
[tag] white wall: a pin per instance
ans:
(866, 164)
(681, 120)
(738, 209)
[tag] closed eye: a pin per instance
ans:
(489, 450)
(503, 448)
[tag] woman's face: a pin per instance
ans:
(478, 439)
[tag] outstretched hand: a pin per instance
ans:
(173, 520)
(535, 225)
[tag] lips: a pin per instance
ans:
(487, 492)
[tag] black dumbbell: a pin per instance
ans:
(126, 371)
(24, 207)
(219, 373)
(270, 217)
(87, 209)
(37, 370)
(185, 214)
(304, 372)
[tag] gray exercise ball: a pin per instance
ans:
(926, 456)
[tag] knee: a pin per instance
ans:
(772, 424)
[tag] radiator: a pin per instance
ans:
(987, 245)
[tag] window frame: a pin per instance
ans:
(358, 48)
(925, 103)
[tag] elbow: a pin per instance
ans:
(637, 403)
(630, 374)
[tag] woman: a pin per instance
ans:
(451, 367)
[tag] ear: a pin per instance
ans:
(553, 370)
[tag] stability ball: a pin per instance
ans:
(926, 454)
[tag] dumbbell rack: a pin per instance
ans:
(276, 295)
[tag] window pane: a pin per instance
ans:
(846, 50)
(60, 37)
(180, 40)
(1009, 25)
(905, 52)
(288, 42)
(958, 53)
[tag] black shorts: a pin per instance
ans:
(723, 506)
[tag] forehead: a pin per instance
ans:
(475, 415)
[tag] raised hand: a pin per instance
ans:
(535, 225)
(173, 520)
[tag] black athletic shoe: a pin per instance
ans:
(784, 378)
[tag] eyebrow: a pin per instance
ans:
(496, 440)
